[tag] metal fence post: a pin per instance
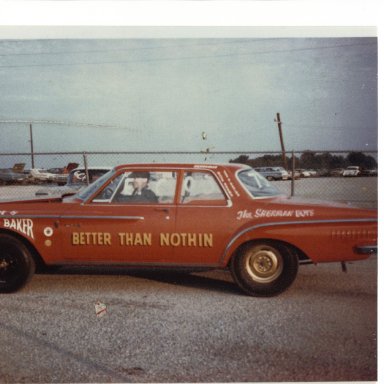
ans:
(86, 167)
(293, 174)
(31, 143)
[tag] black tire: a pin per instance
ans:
(16, 264)
(264, 268)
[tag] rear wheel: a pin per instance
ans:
(264, 268)
(16, 264)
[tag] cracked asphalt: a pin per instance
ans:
(174, 327)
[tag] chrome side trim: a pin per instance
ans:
(132, 265)
(104, 217)
(281, 223)
(57, 217)
(229, 205)
(29, 217)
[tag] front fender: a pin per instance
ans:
(39, 263)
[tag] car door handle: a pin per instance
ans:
(165, 210)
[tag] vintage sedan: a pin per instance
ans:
(352, 171)
(189, 216)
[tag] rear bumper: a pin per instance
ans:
(365, 249)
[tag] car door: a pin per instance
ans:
(205, 219)
(115, 226)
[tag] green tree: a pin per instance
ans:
(362, 160)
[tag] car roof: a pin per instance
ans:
(269, 167)
(203, 166)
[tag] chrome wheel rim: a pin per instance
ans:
(264, 264)
(9, 268)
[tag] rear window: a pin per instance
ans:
(257, 185)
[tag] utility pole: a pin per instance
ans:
(31, 141)
(281, 139)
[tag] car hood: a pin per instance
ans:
(30, 203)
(58, 191)
(33, 208)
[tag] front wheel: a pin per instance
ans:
(16, 264)
(264, 268)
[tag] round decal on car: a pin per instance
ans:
(48, 231)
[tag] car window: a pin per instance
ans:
(256, 185)
(140, 187)
(201, 188)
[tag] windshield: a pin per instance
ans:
(257, 185)
(87, 192)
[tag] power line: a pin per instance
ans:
(216, 43)
(237, 41)
(202, 57)
(68, 123)
(321, 126)
(93, 125)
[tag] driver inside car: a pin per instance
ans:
(141, 193)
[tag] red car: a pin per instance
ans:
(183, 215)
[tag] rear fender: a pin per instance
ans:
(317, 240)
(260, 231)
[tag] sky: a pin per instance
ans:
(150, 94)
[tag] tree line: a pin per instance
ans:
(311, 160)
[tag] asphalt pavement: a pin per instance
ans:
(174, 327)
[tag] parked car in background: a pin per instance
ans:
(76, 180)
(188, 216)
(273, 173)
(8, 176)
(323, 172)
(296, 174)
(41, 175)
(312, 172)
(52, 175)
(303, 173)
(351, 171)
(369, 172)
(336, 172)
(59, 175)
